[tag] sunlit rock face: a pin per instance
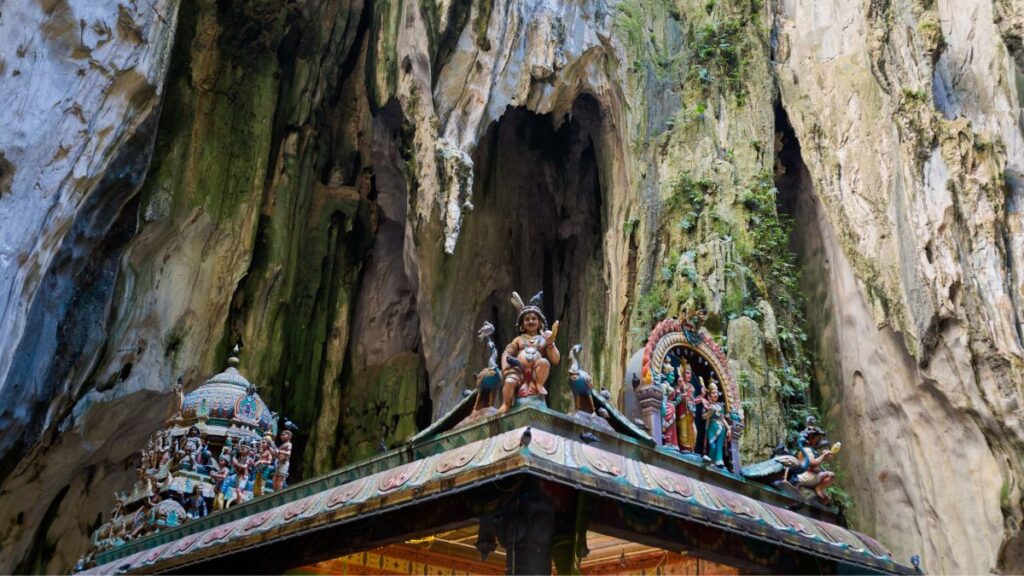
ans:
(351, 188)
(908, 119)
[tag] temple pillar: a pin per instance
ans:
(649, 399)
(525, 526)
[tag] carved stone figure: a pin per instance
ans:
(667, 379)
(488, 380)
(808, 473)
(195, 505)
(242, 464)
(580, 382)
(683, 401)
(264, 465)
(179, 394)
(527, 360)
(802, 471)
(717, 427)
(283, 454)
(219, 478)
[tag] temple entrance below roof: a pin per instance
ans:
(454, 552)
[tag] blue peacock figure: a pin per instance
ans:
(489, 379)
(580, 382)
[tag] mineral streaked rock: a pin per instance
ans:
(759, 389)
(283, 191)
(908, 118)
(79, 80)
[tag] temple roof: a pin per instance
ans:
(227, 399)
(614, 467)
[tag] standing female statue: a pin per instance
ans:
(667, 379)
(686, 430)
(717, 427)
(526, 362)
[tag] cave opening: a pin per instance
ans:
(538, 221)
(797, 201)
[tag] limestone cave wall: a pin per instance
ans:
(350, 188)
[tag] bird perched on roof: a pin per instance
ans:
(485, 331)
(537, 299)
(525, 439)
(589, 438)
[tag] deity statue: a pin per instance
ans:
(219, 478)
(667, 379)
(283, 454)
(718, 429)
(195, 505)
(682, 399)
(242, 464)
(808, 473)
(264, 465)
(179, 394)
(526, 362)
(204, 458)
(191, 451)
(803, 471)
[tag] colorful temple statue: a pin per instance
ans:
(674, 400)
(580, 383)
(667, 380)
(803, 472)
(195, 506)
(809, 472)
(685, 404)
(488, 380)
(718, 429)
(283, 455)
(527, 360)
(178, 478)
(264, 465)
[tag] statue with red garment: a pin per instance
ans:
(527, 360)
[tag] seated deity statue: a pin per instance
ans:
(527, 360)
(809, 473)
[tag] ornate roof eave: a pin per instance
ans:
(616, 467)
(451, 420)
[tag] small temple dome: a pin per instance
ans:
(228, 398)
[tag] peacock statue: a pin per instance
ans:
(489, 379)
(580, 382)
